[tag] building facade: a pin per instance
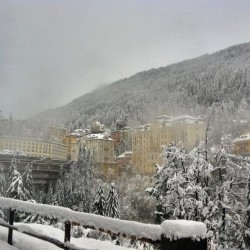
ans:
(124, 163)
(34, 148)
(242, 145)
(56, 134)
(102, 147)
(148, 139)
(72, 142)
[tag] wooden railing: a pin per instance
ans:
(174, 235)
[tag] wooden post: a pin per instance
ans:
(183, 244)
(67, 231)
(11, 221)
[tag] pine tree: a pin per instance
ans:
(207, 188)
(230, 172)
(99, 203)
(63, 188)
(112, 207)
(75, 186)
(83, 174)
(2, 188)
(247, 233)
(168, 178)
(50, 195)
(28, 182)
(11, 170)
(15, 189)
(2, 183)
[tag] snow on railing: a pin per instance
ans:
(170, 229)
(140, 230)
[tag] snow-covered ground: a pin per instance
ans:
(25, 242)
(5, 246)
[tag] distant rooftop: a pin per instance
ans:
(167, 120)
(126, 153)
(244, 137)
(99, 137)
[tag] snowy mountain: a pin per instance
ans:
(190, 87)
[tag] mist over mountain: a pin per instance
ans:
(220, 79)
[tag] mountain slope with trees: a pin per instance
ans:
(191, 86)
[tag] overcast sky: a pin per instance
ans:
(52, 51)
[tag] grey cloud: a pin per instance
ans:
(54, 51)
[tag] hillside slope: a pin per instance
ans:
(189, 86)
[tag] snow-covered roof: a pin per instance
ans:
(125, 154)
(75, 134)
(168, 121)
(186, 118)
(162, 118)
(11, 152)
(79, 130)
(99, 137)
(244, 137)
(29, 139)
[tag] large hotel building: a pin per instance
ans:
(35, 148)
(148, 139)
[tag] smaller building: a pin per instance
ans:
(242, 145)
(97, 128)
(124, 137)
(56, 133)
(117, 136)
(102, 147)
(72, 141)
(124, 163)
(75, 148)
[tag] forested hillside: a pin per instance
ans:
(220, 80)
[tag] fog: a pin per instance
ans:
(54, 51)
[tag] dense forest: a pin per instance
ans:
(219, 80)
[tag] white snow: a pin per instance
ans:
(140, 230)
(125, 154)
(175, 229)
(6, 246)
(11, 152)
(99, 137)
(25, 242)
(244, 137)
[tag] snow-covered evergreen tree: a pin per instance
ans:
(63, 188)
(169, 177)
(84, 173)
(204, 187)
(28, 184)
(99, 203)
(2, 183)
(229, 172)
(247, 224)
(2, 188)
(49, 199)
(112, 207)
(16, 190)
(11, 170)
(133, 199)
(75, 187)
